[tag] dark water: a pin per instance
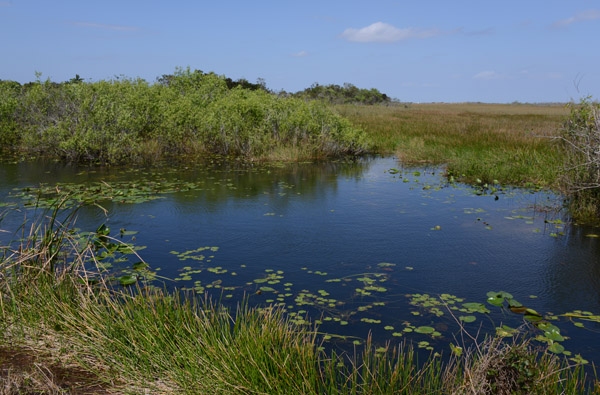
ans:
(349, 244)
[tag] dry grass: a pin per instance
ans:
(497, 366)
(26, 371)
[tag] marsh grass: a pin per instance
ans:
(508, 143)
(138, 339)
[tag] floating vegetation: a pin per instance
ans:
(386, 264)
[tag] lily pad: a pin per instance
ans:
(556, 348)
(425, 329)
(476, 308)
(128, 279)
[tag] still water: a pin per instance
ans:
(357, 246)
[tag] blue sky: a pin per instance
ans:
(420, 51)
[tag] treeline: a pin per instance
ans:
(333, 94)
(188, 112)
(345, 94)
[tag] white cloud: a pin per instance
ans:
(386, 33)
(487, 75)
(103, 26)
(579, 17)
(300, 54)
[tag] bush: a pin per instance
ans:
(188, 112)
(581, 176)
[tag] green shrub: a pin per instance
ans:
(190, 112)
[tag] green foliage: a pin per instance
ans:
(9, 91)
(188, 112)
(346, 94)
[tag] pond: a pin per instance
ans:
(359, 246)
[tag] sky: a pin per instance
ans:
(415, 51)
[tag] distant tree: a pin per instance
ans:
(347, 93)
(76, 80)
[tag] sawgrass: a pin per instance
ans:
(510, 143)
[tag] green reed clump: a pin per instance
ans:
(135, 339)
(581, 174)
(124, 120)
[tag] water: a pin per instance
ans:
(347, 243)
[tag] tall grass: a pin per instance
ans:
(193, 113)
(133, 340)
(508, 143)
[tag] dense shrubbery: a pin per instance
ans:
(189, 112)
(581, 176)
(346, 94)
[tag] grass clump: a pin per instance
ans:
(580, 180)
(189, 113)
(138, 339)
(497, 366)
(489, 142)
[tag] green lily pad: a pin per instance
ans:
(128, 279)
(425, 329)
(476, 308)
(532, 318)
(495, 300)
(514, 303)
(556, 348)
(139, 265)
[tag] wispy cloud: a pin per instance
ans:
(103, 26)
(300, 54)
(588, 15)
(385, 33)
(487, 75)
(490, 31)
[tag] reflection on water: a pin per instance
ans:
(346, 242)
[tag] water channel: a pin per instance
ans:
(360, 246)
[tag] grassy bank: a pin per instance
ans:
(189, 113)
(504, 142)
(61, 318)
